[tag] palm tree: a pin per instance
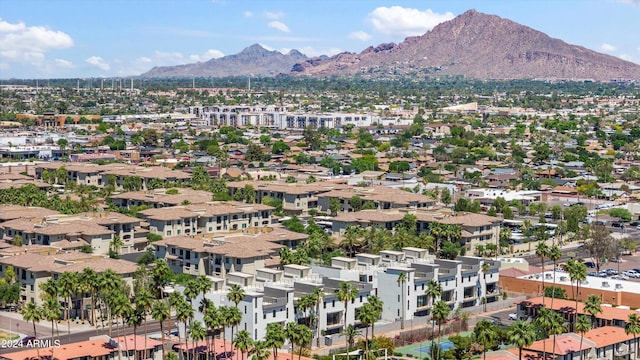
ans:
(554, 254)
(402, 279)
(67, 283)
(545, 321)
(197, 332)
(91, 278)
(184, 313)
(213, 321)
(134, 318)
(292, 335)
(160, 312)
(633, 327)
(557, 327)
(275, 338)
(484, 333)
(582, 325)
(367, 316)
(345, 293)
(52, 312)
(593, 306)
(235, 294)
(243, 342)
(521, 334)
(542, 251)
(305, 337)
(33, 313)
(350, 239)
(578, 273)
(350, 335)
(440, 313)
(433, 291)
(378, 307)
(144, 301)
(260, 350)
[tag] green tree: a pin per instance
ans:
(275, 338)
(160, 312)
(31, 312)
(521, 334)
(633, 327)
(346, 293)
(334, 206)
(197, 332)
(440, 313)
(484, 333)
(542, 251)
(582, 326)
(350, 333)
(243, 342)
(593, 306)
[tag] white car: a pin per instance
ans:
(513, 316)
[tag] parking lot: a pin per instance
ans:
(616, 270)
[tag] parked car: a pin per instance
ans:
(593, 273)
(513, 316)
(617, 224)
(635, 223)
(590, 264)
(611, 271)
(631, 273)
(616, 260)
(25, 340)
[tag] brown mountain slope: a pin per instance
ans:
(254, 60)
(480, 46)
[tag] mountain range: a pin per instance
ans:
(474, 45)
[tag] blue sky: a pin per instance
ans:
(96, 38)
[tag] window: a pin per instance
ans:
(168, 232)
(238, 261)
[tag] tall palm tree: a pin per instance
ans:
(578, 273)
(235, 294)
(91, 278)
(345, 293)
(134, 318)
(160, 312)
(52, 312)
(143, 300)
(243, 342)
(593, 306)
(521, 334)
(233, 317)
(557, 327)
(33, 313)
(633, 327)
(378, 307)
(275, 338)
(440, 313)
(545, 321)
(293, 336)
(367, 316)
(184, 313)
(433, 292)
(197, 332)
(542, 251)
(68, 283)
(213, 321)
(305, 337)
(554, 254)
(350, 335)
(582, 325)
(402, 279)
(484, 333)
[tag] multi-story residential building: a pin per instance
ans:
(121, 176)
(34, 269)
(159, 198)
(382, 198)
(66, 232)
(207, 218)
(476, 229)
(271, 295)
(220, 255)
(296, 198)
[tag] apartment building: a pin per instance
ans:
(117, 174)
(382, 198)
(207, 218)
(34, 269)
(297, 198)
(221, 255)
(160, 198)
(68, 232)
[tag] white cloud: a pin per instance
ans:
(208, 55)
(278, 25)
(608, 47)
(312, 51)
(397, 20)
(22, 43)
(98, 62)
(61, 63)
(359, 35)
(248, 14)
(266, 46)
(273, 15)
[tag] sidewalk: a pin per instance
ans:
(14, 320)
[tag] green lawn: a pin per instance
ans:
(5, 336)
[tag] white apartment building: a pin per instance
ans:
(271, 295)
